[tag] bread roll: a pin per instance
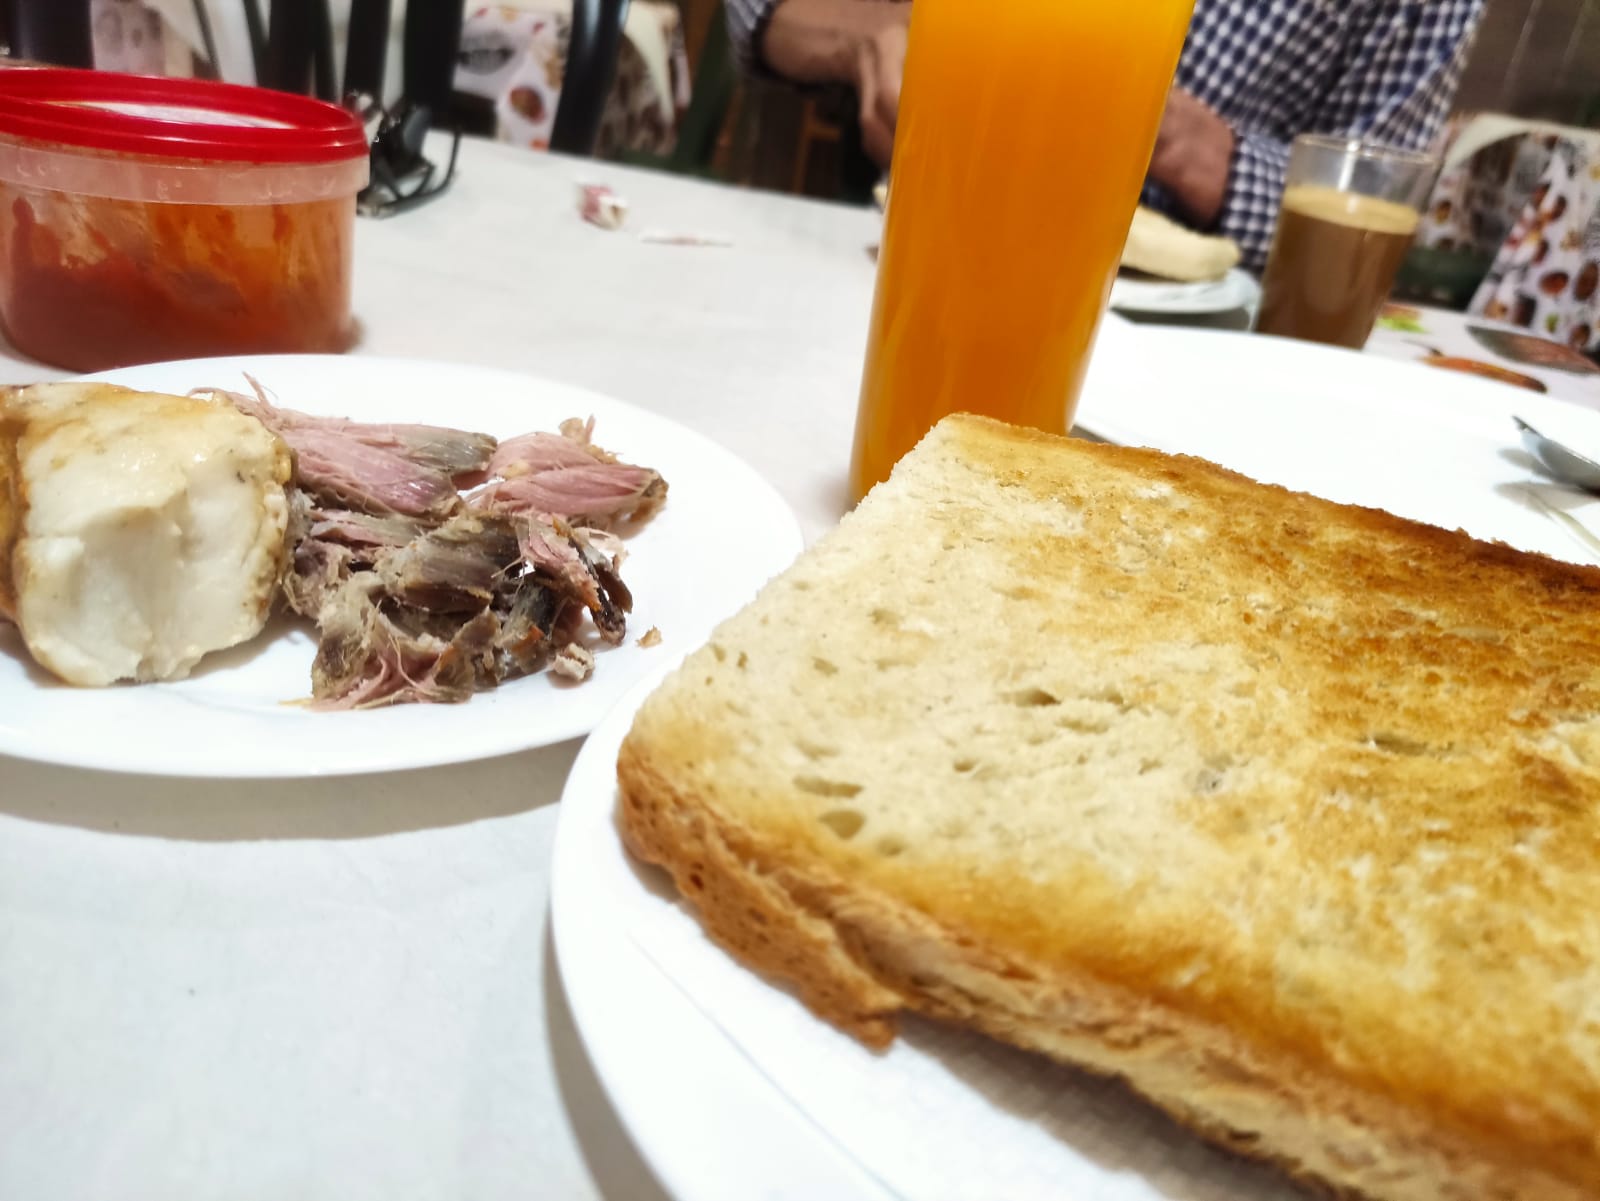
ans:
(138, 532)
(1159, 246)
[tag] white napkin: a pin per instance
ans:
(948, 1116)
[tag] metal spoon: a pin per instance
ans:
(1566, 464)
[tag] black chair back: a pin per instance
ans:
(591, 66)
(293, 51)
(50, 31)
(298, 55)
(293, 47)
(367, 47)
(430, 51)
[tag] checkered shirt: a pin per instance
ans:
(1382, 69)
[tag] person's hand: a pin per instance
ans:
(858, 42)
(880, 64)
(1194, 156)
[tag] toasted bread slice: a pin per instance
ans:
(138, 531)
(1282, 810)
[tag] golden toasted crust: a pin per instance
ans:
(721, 869)
(1286, 810)
(858, 960)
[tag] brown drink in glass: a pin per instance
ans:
(1349, 213)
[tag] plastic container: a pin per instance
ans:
(144, 219)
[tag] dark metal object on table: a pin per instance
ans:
(591, 66)
(402, 176)
(50, 31)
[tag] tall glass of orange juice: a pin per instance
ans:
(1024, 133)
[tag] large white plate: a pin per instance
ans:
(732, 1090)
(1235, 290)
(722, 533)
(707, 1119)
(1432, 445)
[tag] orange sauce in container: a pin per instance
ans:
(145, 219)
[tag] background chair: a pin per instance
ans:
(291, 43)
(591, 66)
(294, 52)
(50, 31)
(715, 80)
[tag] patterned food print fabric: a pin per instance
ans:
(1475, 203)
(515, 56)
(1546, 277)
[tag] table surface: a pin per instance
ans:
(345, 989)
(1423, 332)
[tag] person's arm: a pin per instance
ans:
(861, 43)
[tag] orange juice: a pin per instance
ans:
(1024, 133)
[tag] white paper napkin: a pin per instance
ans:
(944, 1115)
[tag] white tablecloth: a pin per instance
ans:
(343, 989)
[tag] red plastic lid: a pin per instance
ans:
(174, 118)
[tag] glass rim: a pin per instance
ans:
(1362, 148)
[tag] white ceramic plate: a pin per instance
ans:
(722, 533)
(705, 1117)
(1235, 290)
(732, 1090)
(1429, 444)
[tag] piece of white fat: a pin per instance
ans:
(153, 530)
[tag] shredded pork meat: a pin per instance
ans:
(567, 474)
(421, 592)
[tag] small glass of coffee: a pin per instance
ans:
(1350, 210)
